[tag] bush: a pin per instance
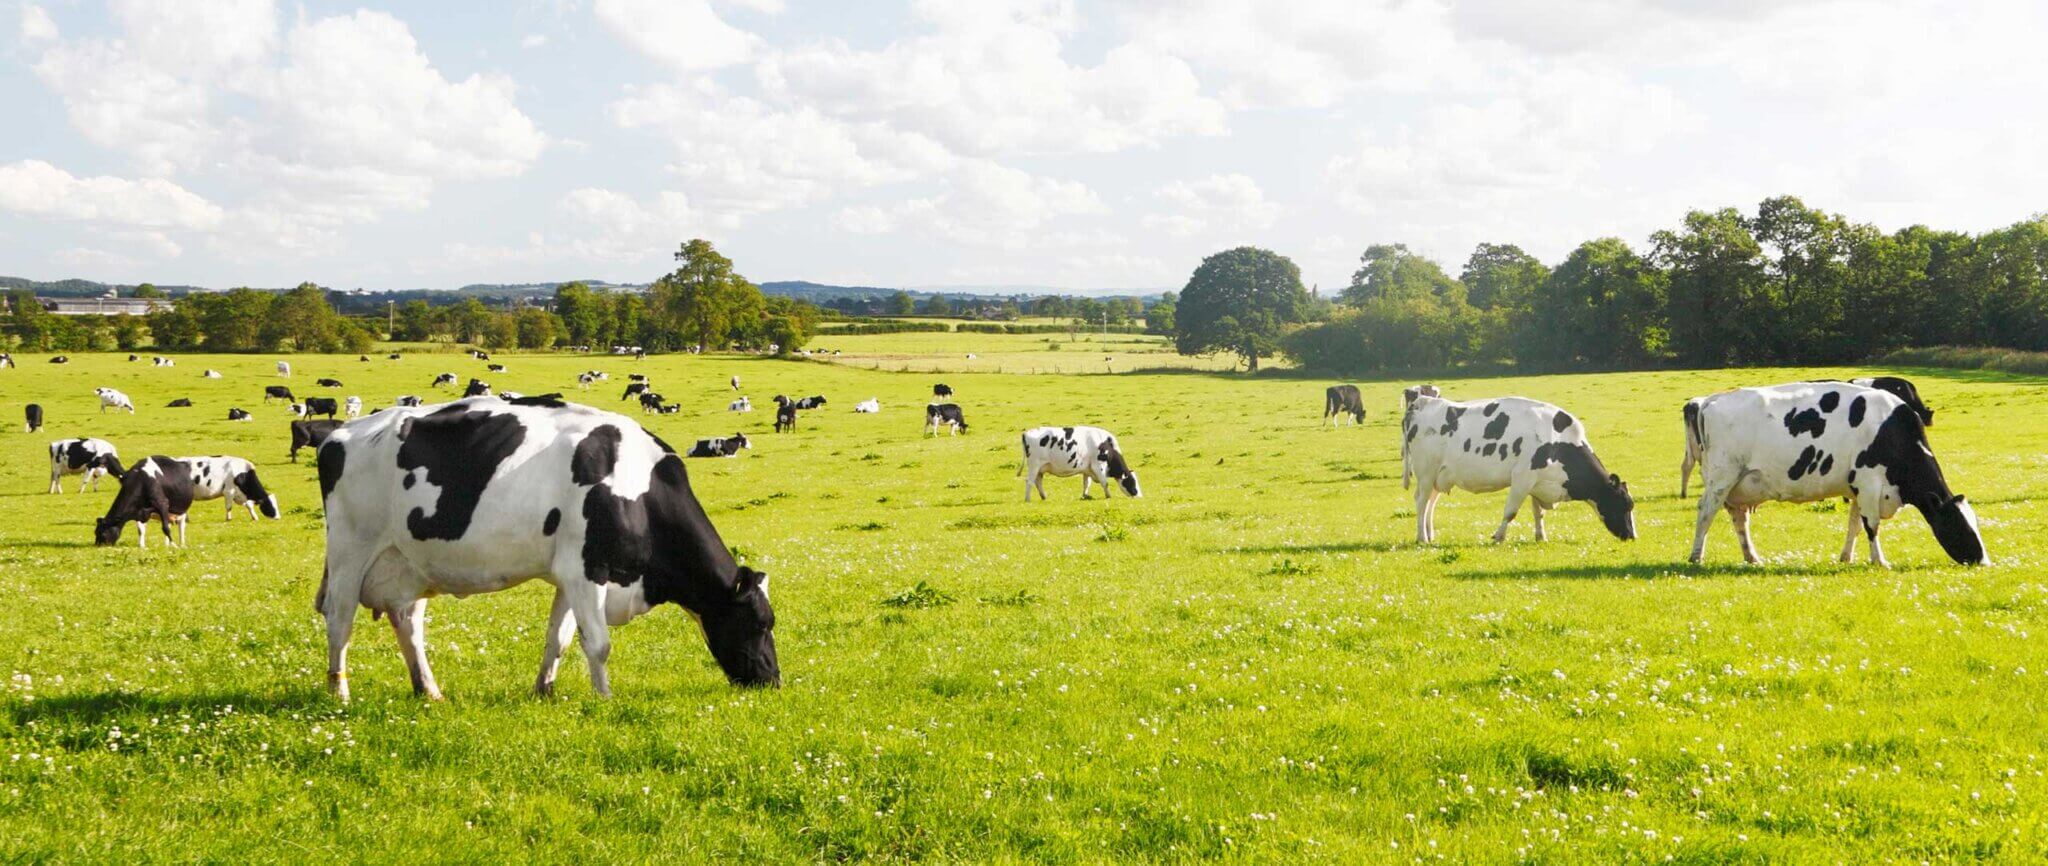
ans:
(1970, 358)
(863, 328)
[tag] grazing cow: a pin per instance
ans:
(322, 406)
(158, 486)
(233, 479)
(328, 383)
(1902, 389)
(477, 388)
(89, 457)
(352, 407)
(870, 406)
(735, 383)
(585, 380)
(1408, 396)
(393, 356)
(478, 496)
(494, 368)
(649, 401)
(6, 360)
(670, 408)
(1537, 451)
(740, 405)
(284, 369)
(163, 362)
(180, 403)
(112, 399)
(277, 392)
(944, 414)
(60, 359)
(942, 390)
(1893, 385)
(444, 380)
(1342, 400)
(636, 377)
(210, 374)
(785, 414)
(635, 388)
(1090, 452)
(727, 447)
(34, 413)
(237, 414)
(1810, 441)
(407, 400)
(309, 434)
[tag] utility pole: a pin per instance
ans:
(391, 318)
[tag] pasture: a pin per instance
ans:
(1254, 661)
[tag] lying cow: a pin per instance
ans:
(163, 362)
(727, 447)
(740, 405)
(1090, 452)
(444, 380)
(91, 458)
(157, 487)
(650, 402)
(1535, 450)
(210, 374)
(278, 392)
(477, 388)
(1893, 385)
(494, 368)
(870, 406)
(112, 399)
(309, 434)
(232, 479)
(180, 403)
(1342, 400)
(328, 383)
(238, 414)
(60, 359)
(480, 495)
(408, 400)
(808, 403)
(327, 406)
(946, 415)
(942, 390)
(1408, 397)
(1810, 441)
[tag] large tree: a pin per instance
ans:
(1501, 276)
(704, 299)
(1603, 305)
(1392, 272)
(584, 314)
(1717, 274)
(1238, 301)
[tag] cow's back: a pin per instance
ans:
(1793, 442)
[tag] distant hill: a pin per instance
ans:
(79, 288)
(806, 290)
(820, 292)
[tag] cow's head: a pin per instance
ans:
(1617, 508)
(741, 632)
(109, 463)
(1120, 470)
(252, 487)
(1955, 525)
(107, 531)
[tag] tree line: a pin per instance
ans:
(1787, 284)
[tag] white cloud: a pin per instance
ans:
(39, 189)
(596, 226)
(1229, 202)
(534, 40)
(983, 204)
(686, 35)
(36, 24)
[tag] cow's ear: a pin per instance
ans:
(1614, 480)
(746, 582)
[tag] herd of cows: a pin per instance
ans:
(486, 491)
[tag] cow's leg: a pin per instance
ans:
(1540, 511)
(586, 602)
(1086, 479)
(181, 530)
(142, 533)
(409, 623)
(1738, 516)
(1872, 526)
(1423, 499)
(1713, 495)
(560, 628)
(1849, 536)
(1516, 493)
(56, 476)
(1685, 472)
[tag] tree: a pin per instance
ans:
(900, 304)
(1717, 273)
(1159, 319)
(148, 290)
(538, 328)
(500, 331)
(176, 329)
(1238, 300)
(1806, 255)
(1501, 276)
(706, 302)
(937, 305)
(1391, 271)
(415, 322)
(128, 332)
(301, 317)
(1603, 305)
(584, 314)
(30, 322)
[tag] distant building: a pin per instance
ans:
(104, 306)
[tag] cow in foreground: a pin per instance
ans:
(91, 458)
(727, 447)
(1536, 451)
(946, 415)
(1408, 398)
(1342, 400)
(480, 495)
(1090, 452)
(158, 487)
(1893, 385)
(112, 399)
(1810, 441)
(309, 434)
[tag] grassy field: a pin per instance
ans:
(1252, 662)
(1017, 353)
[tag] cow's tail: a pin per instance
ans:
(1026, 440)
(1695, 426)
(1407, 417)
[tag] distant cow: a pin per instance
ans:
(740, 405)
(284, 369)
(112, 399)
(352, 407)
(650, 401)
(494, 368)
(277, 392)
(34, 416)
(180, 403)
(479, 496)
(1342, 400)
(444, 380)
(235, 414)
(870, 406)
(157, 487)
(163, 362)
(232, 479)
(633, 389)
(327, 406)
(210, 374)
(1090, 452)
(408, 400)
(477, 388)
(808, 403)
(947, 415)
(585, 380)
(636, 377)
(328, 383)
(91, 458)
(393, 356)
(1536, 451)
(298, 410)
(309, 434)
(785, 414)
(60, 359)
(6, 360)
(1408, 397)
(735, 383)
(1811, 441)
(942, 390)
(727, 447)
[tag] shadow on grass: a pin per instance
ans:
(92, 706)
(52, 543)
(1680, 570)
(1333, 547)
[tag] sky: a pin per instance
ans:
(1082, 146)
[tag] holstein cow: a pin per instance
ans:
(6, 360)
(298, 410)
(277, 392)
(870, 406)
(233, 479)
(1342, 400)
(444, 379)
(163, 362)
(284, 369)
(480, 495)
(34, 416)
(494, 368)
(942, 390)
(633, 390)
(112, 399)
(408, 400)
(1090, 452)
(309, 434)
(60, 359)
(726, 447)
(740, 405)
(322, 406)
(785, 414)
(650, 402)
(180, 403)
(946, 415)
(210, 374)
(352, 407)
(1535, 450)
(156, 487)
(237, 414)
(735, 383)
(328, 383)
(1810, 441)
(1408, 396)
(1893, 385)
(477, 388)
(585, 380)
(89, 457)
(808, 403)
(636, 377)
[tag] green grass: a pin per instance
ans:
(1253, 662)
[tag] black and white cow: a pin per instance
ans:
(1342, 400)
(636, 377)
(157, 487)
(180, 403)
(785, 414)
(238, 414)
(328, 383)
(585, 380)
(60, 359)
(946, 415)
(284, 369)
(1902, 389)
(1893, 385)
(1810, 441)
(408, 400)
(393, 356)
(479, 354)
(232, 479)
(650, 402)
(309, 434)
(942, 390)
(1536, 451)
(89, 457)
(494, 368)
(277, 392)
(727, 447)
(634, 389)
(163, 362)
(298, 410)
(480, 495)
(6, 360)
(112, 399)
(740, 405)
(1408, 397)
(1090, 452)
(210, 374)
(327, 406)
(33, 414)
(477, 388)
(735, 383)
(352, 407)
(444, 380)
(808, 403)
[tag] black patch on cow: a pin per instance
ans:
(1900, 449)
(596, 455)
(1488, 450)
(1412, 430)
(1468, 446)
(1498, 427)
(1807, 421)
(1827, 464)
(550, 401)
(658, 441)
(1856, 410)
(1518, 446)
(410, 478)
(1809, 459)
(1562, 421)
(77, 454)
(332, 459)
(553, 522)
(1491, 408)
(460, 450)
(1830, 400)
(1451, 414)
